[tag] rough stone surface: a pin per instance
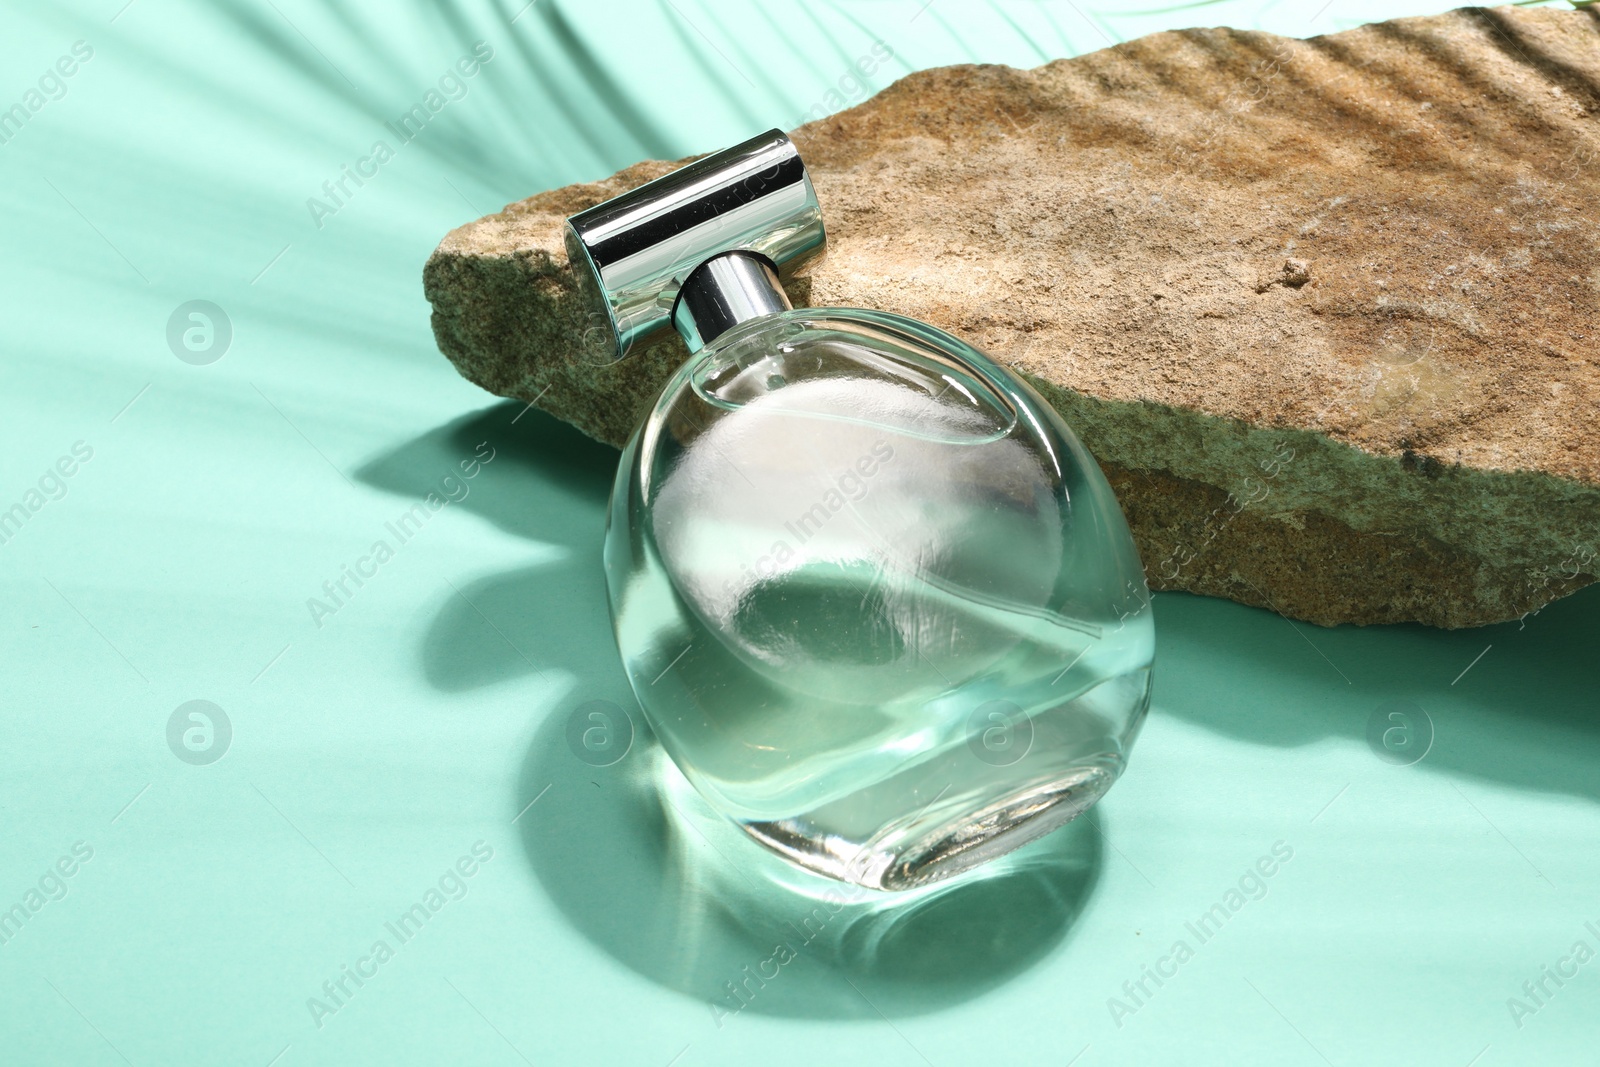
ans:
(1325, 310)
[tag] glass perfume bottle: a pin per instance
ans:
(877, 602)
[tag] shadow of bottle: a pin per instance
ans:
(548, 484)
(629, 853)
(648, 872)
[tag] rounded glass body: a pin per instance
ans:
(875, 599)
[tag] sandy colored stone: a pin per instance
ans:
(1351, 281)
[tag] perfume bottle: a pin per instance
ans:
(876, 601)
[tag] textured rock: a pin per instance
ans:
(1325, 310)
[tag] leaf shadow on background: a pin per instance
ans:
(634, 860)
(547, 86)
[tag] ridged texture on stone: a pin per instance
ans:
(1351, 281)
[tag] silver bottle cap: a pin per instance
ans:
(632, 253)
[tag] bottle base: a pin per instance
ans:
(947, 838)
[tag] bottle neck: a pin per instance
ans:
(724, 291)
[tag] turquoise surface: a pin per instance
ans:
(394, 766)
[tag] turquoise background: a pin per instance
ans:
(370, 752)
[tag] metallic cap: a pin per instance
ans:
(632, 253)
